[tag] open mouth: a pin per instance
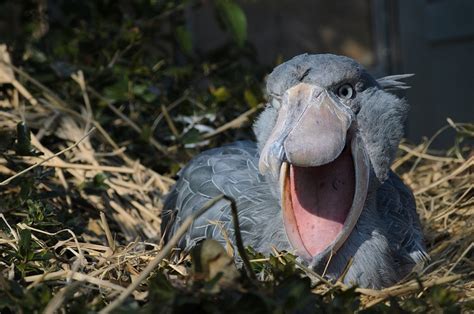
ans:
(316, 154)
(322, 204)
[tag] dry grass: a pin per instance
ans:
(122, 222)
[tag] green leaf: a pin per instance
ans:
(294, 293)
(179, 72)
(250, 98)
(146, 133)
(7, 140)
(25, 243)
(184, 40)
(118, 91)
(23, 144)
(99, 181)
(144, 91)
(139, 89)
(221, 94)
(27, 185)
(161, 289)
(234, 19)
(192, 136)
(36, 211)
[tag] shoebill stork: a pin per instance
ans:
(317, 182)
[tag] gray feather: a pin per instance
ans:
(393, 82)
(381, 121)
(230, 170)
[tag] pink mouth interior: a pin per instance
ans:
(320, 198)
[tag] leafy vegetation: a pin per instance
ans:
(141, 58)
(78, 228)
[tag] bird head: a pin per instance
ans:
(327, 139)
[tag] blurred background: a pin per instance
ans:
(432, 38)
(182, 69)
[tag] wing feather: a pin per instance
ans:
(397, 205)
(230, 170)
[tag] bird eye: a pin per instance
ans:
(346, 91)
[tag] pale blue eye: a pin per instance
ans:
(346, 91)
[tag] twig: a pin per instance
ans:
(459, 170)
(80, 80)
(169, 121)
(63, 274)
(236, 123)
(127, 120)
(5, 182)
(404, 289)
(427, 145)
(32, 80)
(397, 163)
(452, 208)
(73, 236)
(7, 76)
(162, 254)
(170, 107)
(24, 92)
(428, 156)
(238, 239)
(68, 165)
(108, 233)
(55, 303)
(346, 270)
(327, 263)
(58, 103)
(460, 258)
(311, 272)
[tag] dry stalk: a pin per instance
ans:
(162, 254)
(6, 181)
(236, 123)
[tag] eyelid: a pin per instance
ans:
(344, 83)
(276, 96)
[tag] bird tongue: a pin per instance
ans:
(321, 198)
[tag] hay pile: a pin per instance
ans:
(109, 204)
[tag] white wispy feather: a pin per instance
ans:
(393, 82)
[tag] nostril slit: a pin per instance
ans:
(304, 75)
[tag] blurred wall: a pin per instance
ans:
(432, 38)
(437, 43)
(285, 28)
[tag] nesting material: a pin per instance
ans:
(122, 218)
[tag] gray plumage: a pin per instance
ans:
(387, 240)
(393, 82)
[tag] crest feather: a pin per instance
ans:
(393, 82)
